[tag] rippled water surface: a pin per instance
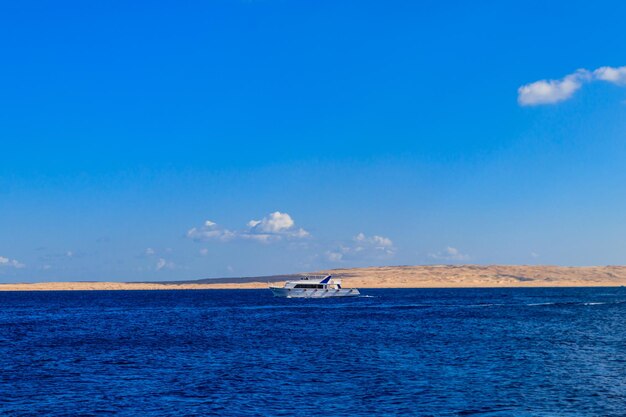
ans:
(505, 352)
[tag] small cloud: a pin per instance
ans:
(10, 263)
(204, 251)
(379, 242)
(253, 223)
(362, 247)
(554, 91)
(449, 254)
(613, 75)
(69, 254)
(534, 254)
(149, 251)
(334, 256)
(164, 264)
(209, 231)
(300, 233)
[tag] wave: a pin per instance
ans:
(577, 303)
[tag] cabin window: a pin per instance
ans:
(313, 286)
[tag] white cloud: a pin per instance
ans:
(551, 91)
(204, 251)
(334, 256)
(554, 91)
(276, 222)
(449, 254)
(611, 74)
(379, 242)
(210, 230)
(273, 227)
(164, 264)
(362, 247)
(10, 263)
(150, 251)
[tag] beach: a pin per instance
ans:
(431, 276)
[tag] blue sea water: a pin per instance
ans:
(438, 352)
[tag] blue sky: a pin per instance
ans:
(183, 140)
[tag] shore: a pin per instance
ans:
(435, 276)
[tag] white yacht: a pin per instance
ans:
(314, 287)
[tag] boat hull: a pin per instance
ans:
(314, 293)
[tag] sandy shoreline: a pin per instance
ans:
(438, 276)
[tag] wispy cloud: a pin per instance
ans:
(362, 247)
(210, 231)
(554, 91)
(377, 242)
(449, 254)
(275, 226)
(163, 263)
(10, 263)
(334, 256)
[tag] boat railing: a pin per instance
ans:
(311, 277)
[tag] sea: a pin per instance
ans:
(413, 352)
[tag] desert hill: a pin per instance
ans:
(424, 276)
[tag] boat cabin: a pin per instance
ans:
(320, 283)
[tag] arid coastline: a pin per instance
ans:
(432, 276)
